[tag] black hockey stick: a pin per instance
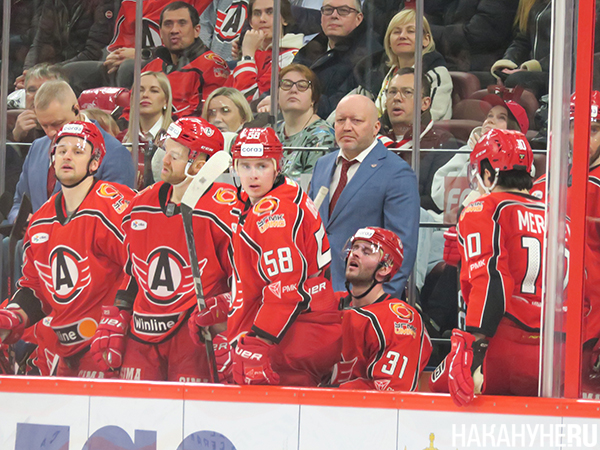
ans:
(214, 167)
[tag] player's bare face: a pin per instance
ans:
(256, 176)
(223, 114)
(55, 116)
(152, 98)
(174, 162)
(177, 31)
(363, 258)
(497, 117)
(71, 158)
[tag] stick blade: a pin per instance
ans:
(212, 169)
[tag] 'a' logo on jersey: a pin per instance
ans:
(66, 274)
(165, 276)
(229, 23)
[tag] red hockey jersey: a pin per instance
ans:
(278, 244)
(125, 24)
(158, 280)
(384, 347)
(592, 257)
(197, 73)
(74, 265)
(500, 238)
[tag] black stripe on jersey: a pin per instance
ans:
(380, 336)
(494, 306)
(595, 180)
(258, 250)
(99, 214)
(44, 221)
(29, 302)
(415, 381)
(212, 216)
(147, 209)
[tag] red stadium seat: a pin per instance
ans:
(105, 98)
(463, 85)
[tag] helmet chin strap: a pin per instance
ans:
(488, 190)
(87, 175)
(374, 283)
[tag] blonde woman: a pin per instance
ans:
(399, 44)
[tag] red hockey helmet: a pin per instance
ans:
(260, 143)
(87, 131)
(595, 107)
(197, 135)
(385, 240)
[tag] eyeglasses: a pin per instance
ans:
(342, 11)
(301, 85)
(405, 93)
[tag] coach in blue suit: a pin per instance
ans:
(56, 105)
(381, 189)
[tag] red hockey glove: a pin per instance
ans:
(223, 357)
(342, 371)
(251, 362)
(216, 312)
(451, 253)
(438, 381)
(108, 344)
(465, 377)
(12, 326)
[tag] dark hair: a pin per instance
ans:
(310, 76)
(425, 82)
(509, 179)
(286, 13)
(194, 17)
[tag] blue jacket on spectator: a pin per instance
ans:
(383, 193)
(117, 166)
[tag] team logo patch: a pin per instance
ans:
(382, 385)
(221, 72)
(39, 238)
(108, 14)
(73, 128)
(364, 233)
(108, 191)
(77, 332)
(138, 224)
(275, 288)
(266, 205)
(47, 321)
(165, 276)
(401, 310)
(174, 131)
(473, 207)
(65, 275)
(216, 59)
(405, 329)
(272, 221)
(225, 196)
(251, 150)
(229, 23)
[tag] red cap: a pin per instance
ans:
(517, 112)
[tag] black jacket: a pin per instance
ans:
(72, 30)
(471, 34)
(335, 68)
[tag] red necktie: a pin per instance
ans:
(342, 184)
(51, 180)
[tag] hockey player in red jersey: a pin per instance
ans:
(73, 261)
(158, 291)
(283, 325)
(384, 343)
(500, 239)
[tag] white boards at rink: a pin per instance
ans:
(68, 414)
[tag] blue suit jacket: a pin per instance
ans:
(384, 193)
(117, 166)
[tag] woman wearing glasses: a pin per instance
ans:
(299, 95)
(252, 75)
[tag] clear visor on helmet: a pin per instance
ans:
(361, 248)
(254, 166)
(62, 147)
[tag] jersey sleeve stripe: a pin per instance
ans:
(107, 223)
(380, 337)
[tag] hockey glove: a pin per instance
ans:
(108, 344)
(223, 357)
(216, 312)
(12, 326)
(465, 375)
(252, 363)
(451, 253)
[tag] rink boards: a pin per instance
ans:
(61, 414)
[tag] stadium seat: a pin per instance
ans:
(463, 85)
(105, 98)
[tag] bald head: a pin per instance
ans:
(356, 124)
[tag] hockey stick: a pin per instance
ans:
(214, 167)
(320, 196)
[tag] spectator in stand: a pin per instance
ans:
(27, 129)
(221, 24)
(471, 34)
(56, 105)
(299, 93)
(368, 186)
(399, 113)
(70, 31)
(227, 109)
(334, 53)
(104, 119)
(193, 70)
(252, 75)
(399, 43)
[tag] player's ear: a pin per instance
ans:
(383, 273)
(197, 165)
